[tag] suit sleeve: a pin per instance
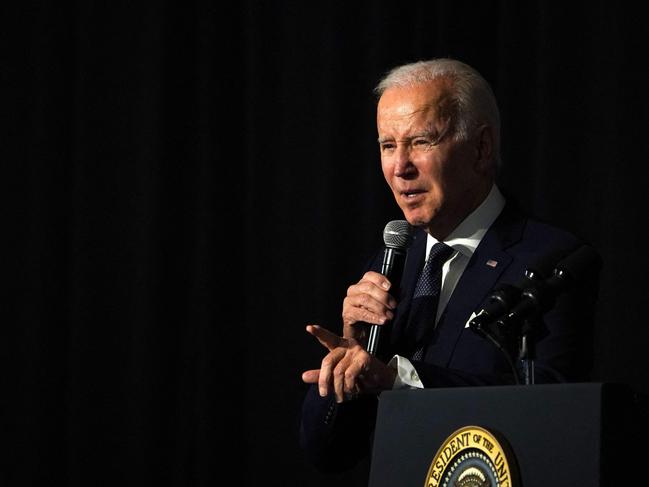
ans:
(335, 436)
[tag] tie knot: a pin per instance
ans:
(439, 252)
(431, 276)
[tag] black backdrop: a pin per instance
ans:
(187, 184)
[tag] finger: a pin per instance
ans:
(346, 373)
(325, 379)
(325, 337)
(311, 376)
(363, 307)
(339, 380)
(376, 287)
(353, 374)
(379, 279)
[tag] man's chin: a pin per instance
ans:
(417, 215)
(417, 220)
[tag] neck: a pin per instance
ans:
(442, 225)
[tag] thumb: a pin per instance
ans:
(311, 376)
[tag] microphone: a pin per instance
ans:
(505, 296)
(397, 237)
(542, 297)
(502, 299)
(503, 319)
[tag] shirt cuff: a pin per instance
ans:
(407, 377)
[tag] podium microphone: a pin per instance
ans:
(397, 237)
(542, 297)
(505, 296)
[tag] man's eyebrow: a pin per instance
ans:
(424, 133)
(382, 140)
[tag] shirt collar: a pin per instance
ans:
(467, 235)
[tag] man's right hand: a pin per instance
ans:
(367, 301)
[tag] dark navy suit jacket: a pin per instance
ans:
(336, 436)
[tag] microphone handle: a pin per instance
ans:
(373, 339)
(392, 268)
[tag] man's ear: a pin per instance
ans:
(485, 147)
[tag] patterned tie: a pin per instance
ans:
(423, 310)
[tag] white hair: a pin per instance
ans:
(473, 101)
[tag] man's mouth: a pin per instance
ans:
(412, 193)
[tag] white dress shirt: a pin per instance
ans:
(464, 240)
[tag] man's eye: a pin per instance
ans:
(420, 142)
(387, 147)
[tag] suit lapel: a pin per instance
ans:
(478, 279)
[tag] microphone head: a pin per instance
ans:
(398, 234)
(579, 262)
(542, 267)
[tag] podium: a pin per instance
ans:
(590, 434)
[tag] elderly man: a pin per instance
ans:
(439, 140)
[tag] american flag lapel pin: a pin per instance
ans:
(492, 263)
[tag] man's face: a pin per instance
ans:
(436, 180)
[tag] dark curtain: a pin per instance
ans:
(188, 184)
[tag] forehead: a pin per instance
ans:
(409, 104)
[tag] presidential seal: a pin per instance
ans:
(472, 457)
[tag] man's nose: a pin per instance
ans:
(403, 165)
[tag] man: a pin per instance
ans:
(439, 140)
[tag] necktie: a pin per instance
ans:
(423, 310)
